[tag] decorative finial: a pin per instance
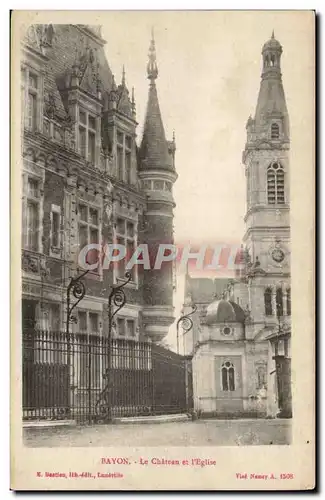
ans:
(272, 34)
(174, 136)
(152, 68)
(123, 76)
(133, 102)
(113, 83)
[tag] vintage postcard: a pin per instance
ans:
(163, 250)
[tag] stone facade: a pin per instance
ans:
(86, 181)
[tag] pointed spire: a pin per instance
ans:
(153, 151)
(152, 68)
(272, 35)
(123, 76)
(133, 104)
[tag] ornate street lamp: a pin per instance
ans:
(116, 300)
(78, 290)
(186, 322)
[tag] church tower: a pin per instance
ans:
(157, 175)
(267, 219)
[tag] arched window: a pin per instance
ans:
(268, 302)
(275, 184)
(289, 301)
(228, 376)
(261, 377)
(279, 302)
(275, 131)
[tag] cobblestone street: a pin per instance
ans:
(199, 433)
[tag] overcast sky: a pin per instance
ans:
(209, 75)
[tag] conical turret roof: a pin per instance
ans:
(153, 152)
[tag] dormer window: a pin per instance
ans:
(30, 98)
(275, 131)
(87, 136)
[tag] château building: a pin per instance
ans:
(240, 341)
(86, 181)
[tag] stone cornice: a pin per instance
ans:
(264, 144)
(265, 229)
(73, 164)
(43, 59)
(158, 174)
(266, 208)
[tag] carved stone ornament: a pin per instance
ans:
(278, 255)
(50, 107)
(30, 264)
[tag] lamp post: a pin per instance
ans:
(116, 298)
(186, 322)
(77, 288)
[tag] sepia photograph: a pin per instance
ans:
(155, 180)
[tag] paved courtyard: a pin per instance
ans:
(199, 433)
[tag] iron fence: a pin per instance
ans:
(88, 378)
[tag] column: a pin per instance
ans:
(284, 295)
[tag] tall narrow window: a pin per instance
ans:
(91, 146)
(126, 236)
(32, 101)
(88, 230)
(130, 330)
(93, 322)
(128, 166)
(275, 131)
(127, 151)
(120, 163)
(54, 317)
(87, 136)
(279, 302)
(121, 326)
(289, 301)
(55, 228)
(31, 110)
(124, 157)
(33, 214)
(268, 302)
(275, 184)
(82, 321)
(228, 376)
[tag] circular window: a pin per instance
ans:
(226, 330)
